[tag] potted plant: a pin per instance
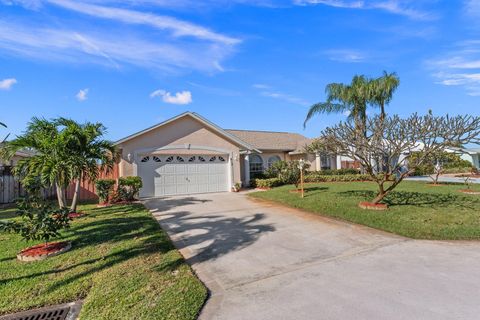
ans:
(237, 187)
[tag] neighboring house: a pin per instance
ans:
(189, 154)
(18, 156)
(472, 155)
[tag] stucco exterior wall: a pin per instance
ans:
(184, 132)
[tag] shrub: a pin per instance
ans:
(39, 220)
(314, 177)
(268, 183)
(286, 171)
(334, 172)
(104, 188)
(128, 188)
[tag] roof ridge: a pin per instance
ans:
(264, 131)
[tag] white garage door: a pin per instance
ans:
(182, 174)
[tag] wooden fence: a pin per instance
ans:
(87, 187)
(11, 188)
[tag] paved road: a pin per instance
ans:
(266, 262)
(443, 179)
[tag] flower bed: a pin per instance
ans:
(43, 251)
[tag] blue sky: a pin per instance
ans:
(243, 64)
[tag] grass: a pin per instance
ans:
(415, 209)
(122, 264)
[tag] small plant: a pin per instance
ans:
(128, 188)
(39, 220)
(287, 172)
(104, 189)
(236, 187)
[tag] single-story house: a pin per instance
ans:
(472, 155)
(21, 154)
(188, 154)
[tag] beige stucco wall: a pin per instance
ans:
(12, 162)
(181, 132)
(309, 158)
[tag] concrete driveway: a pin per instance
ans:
(262, 261)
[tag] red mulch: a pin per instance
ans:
(435, 185)
(43, 249)
(372, 206)
(73, 215)
(469, 191)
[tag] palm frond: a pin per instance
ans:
(325, 108)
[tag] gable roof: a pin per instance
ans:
(199, 118)
(270, 140)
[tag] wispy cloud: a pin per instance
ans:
(459, 67)
(405, 8)
(6, 84)
(82, 94)
(176, 44)
(268, 91)
(183, 97)
(346, 55)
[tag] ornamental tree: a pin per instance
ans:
(385, 147)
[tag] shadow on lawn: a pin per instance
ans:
(131, 235)
(405, 198)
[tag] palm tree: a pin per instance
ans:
(51, 163)
(90, 153)
(352, 98)
(382, 90)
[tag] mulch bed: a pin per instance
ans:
(436, 184)
(74, 215)
(43, 251)
(469, 191)
(373, 206)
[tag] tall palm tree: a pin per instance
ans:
(90, 153)
(352, 98)
(51, 163)
(382, 90)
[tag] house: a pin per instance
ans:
(21, 154)
(189, 154)
(472, 155)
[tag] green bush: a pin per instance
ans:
(104, 188)
(317, 176)
(286, 171)
(39, 220)
(335, 172)
(451, 163)
(128, 188)
(267, 183)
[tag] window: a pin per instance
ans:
(145, 159)
(272, 160)
(169, 159)
(201, 159)
(256, 165)
(192, 159)
(156, 159)
(212, 159)
(221, 159)
(325, 162)
(180, 159)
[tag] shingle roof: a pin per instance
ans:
(268, 140)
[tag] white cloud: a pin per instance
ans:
(178, 27)
(398, 7)
(183, 97)
(459, 67)
(268, 91)
(346, 55)
(6, 84)
(110, 49)
(82, 95)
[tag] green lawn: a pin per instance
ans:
(122, 264)
(416, 210)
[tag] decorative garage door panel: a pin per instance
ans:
(181, 174)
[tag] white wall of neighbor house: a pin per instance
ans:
(185, 132)
(473, 158)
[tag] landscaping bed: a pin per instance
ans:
(121, 264)
(414, 209)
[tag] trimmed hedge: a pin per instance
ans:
(311, 177)
(336, 172)
(319, 177)
(266, 183)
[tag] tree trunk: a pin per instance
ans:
(381, 194)
(382, 112)
(76, 195)
(62, 202)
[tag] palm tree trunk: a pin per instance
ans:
(76, 195)
(62, 202)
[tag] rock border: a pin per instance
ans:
(29, 258)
